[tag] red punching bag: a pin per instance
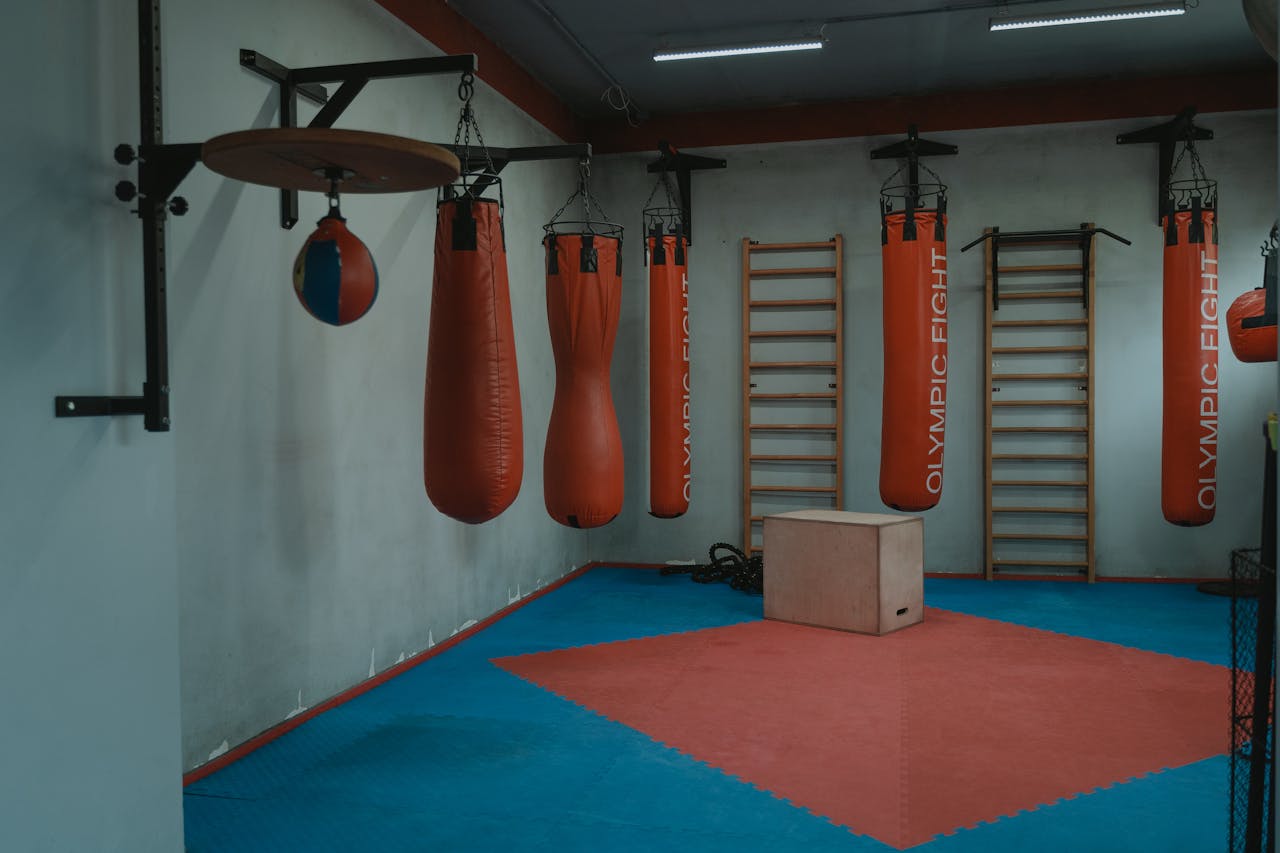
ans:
(670, 451)
(914, 254)
(1189, 449)
(1251, 319)
(582, 463)
(473, 443)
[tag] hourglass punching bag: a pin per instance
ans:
(670, 452)
(914, 415)
(473, 443)
(1189, 447)
(582, 462)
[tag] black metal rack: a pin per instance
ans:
(162, 167)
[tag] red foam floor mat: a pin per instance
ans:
(903, 737)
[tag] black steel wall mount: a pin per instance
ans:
(684, 165)
(1181, 128)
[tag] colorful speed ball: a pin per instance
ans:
(334, 276)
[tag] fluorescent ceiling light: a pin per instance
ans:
(1089, 16)
(736, 50)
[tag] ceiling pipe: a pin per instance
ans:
(629, 105)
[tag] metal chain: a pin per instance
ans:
(466, 123)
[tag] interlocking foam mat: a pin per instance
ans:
(630, 711)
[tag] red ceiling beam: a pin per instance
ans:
(1089, 100)
(449, 31)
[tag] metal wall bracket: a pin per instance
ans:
(1181, 128)
(473, 158)
(672, 160)
(353, 77)
(912, 149)
(161, 168)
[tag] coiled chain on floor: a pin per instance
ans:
(745, 574)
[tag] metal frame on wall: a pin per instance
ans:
(162, 168)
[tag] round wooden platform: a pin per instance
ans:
(296, 159)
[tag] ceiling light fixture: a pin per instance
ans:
(1089, 16)
(737, 50)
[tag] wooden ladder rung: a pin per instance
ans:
(1015, 243)
(831, 490)
(1082, 564)
(1059, 510)
(751, 549)
(1036, 350)
(787, 457)
(794, 272)
(790, 247)
(802, 427)
(815, 395)
(1055, 537)
(1042, 268)
(1043, 403)
(1070, 429)
(757, 518)
(1042, 294)
(795, 333)
(1012, 324)
(1075, 484)
(791, 303)
(1035, 377)
(763, 365)
(1039, 457)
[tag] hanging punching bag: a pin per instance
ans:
(670, 451)
(473, 443)
(914, 253)
(582, 462)
(1251, 319)
(334, 276)
(1189, 449)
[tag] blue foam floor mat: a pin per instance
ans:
(456, 754)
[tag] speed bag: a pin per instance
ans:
(582, 462)
(334, 275)
(914, 415)
(670, 450)
(473, 441)
(1189, 446)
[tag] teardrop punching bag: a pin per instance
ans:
(1189, 449)
(912, 430)
(670, 451)
(473, 441)
(1251, 319)
(582, 462)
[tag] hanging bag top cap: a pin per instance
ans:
(594, 221)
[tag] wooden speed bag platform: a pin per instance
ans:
(852, 571)
(297, 158)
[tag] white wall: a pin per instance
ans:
(1053, 176)
(89, 727)
(309, 554)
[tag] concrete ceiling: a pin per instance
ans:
(920, 54)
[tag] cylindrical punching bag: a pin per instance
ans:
(473, 442)
(670, 451)
(912, 430)
(334, 275)
(1251, 319)
(1189, 448)
(582, 462)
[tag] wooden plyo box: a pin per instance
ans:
(848, 570)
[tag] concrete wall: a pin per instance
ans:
(309, 555)
(89, 727)
(1018, 178)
